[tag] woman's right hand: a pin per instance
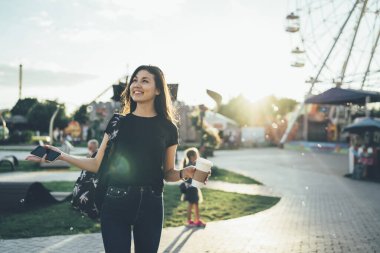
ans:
(34, 158)
(54, 149)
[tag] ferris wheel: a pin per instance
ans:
(338, 40)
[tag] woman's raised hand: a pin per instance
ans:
(34, 158)
(209, 174)
(54, 149)
(189, 171)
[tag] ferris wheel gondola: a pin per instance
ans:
(298, 64)
(293, 24)
(297, 50)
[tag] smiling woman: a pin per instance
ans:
(141, 157)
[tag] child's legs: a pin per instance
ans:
(189, 210)
(196, 211)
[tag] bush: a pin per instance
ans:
(17, 137)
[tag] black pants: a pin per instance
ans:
(139, 207)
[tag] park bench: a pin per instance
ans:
(9, 160)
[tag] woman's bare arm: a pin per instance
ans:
(89, 164)
(170, 173)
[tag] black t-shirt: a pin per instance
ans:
(139, 150)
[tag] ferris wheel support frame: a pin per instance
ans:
(352, 43)
(314, 80)
(370, 59)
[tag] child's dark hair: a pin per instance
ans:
(190, 152)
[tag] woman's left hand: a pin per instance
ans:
(209, 174)
(188, 172)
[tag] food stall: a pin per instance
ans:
(364, 148)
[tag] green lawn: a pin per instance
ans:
(59, 186)
(61, 219)
(219, 174)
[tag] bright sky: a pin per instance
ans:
(71, 50)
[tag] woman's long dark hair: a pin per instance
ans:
(162, 102)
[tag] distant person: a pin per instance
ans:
(92, 146)
(69, 138)
(203, 151)
(66, 147)
(232, 140)
(90, 133)
(191, 194)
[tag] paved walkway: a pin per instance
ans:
(320, 211)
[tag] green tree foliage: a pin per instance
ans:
(258, 113)
(239, 109)
(286, 105)
(81, 115)
(40, 114)
(23, 106)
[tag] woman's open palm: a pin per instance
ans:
(34, 158)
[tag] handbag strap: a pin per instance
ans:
(112, 136)
(115, 122)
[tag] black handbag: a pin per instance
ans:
(90, 188)
(84, 194)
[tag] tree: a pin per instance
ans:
(81, 115)
(23, 106)
(286, 105)
(239, 109)
(40, 114)
(259, 113)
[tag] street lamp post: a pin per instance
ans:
(52, 123)
(20, 82)
(4, 124)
